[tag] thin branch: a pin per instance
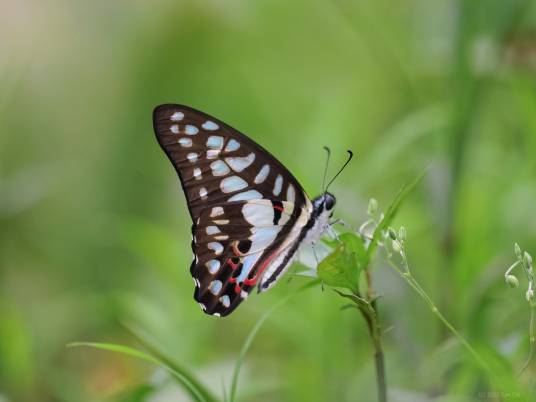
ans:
(406, 275)
(532, 338)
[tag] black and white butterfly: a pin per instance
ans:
(250, 215)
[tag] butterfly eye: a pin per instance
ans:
(329, 202)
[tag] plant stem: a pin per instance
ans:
(406, 275)
(380, 375)
(532, 338)
(378, 356)
(370, 311)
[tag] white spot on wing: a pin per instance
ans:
(174, 129)
(219, 168)
(221, 237)
(190, 130)
(216, 211)
(216, 247)
(215, 287)
(246, 195)
(177, 116)
(225, 300)
(221, 221)
(262, 237)
(247, 264)
(212, 230)
(185, 142)
(258, 214)
(262, 175)
(192, 157)
(203, 192)
(215, 142)
(197, 174)
(278, 184)
(232, 145)
(213, 266)
(240, 163)
(232, 183)
(291, 193)
(202, 306)
(244, 294)
(213, 153)
(210, 125)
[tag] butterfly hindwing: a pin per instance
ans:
(232, 255)
(247, 209)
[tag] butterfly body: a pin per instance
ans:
(250, 215)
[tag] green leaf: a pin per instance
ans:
(191, 387)
(341, 268)
(391, 213)
(356, 245)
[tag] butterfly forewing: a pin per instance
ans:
(247, 209)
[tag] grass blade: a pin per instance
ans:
(152, 347)
(253, 332)
(188, 385)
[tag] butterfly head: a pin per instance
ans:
(324, 204)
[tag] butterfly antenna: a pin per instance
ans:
(326, 168)
(350, 156)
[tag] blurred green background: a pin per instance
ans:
(94, 231)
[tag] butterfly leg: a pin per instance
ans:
(317, 261)
(332, 232)
(342, 223)
(314, 253)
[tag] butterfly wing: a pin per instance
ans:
(233, 251)
(240, 198)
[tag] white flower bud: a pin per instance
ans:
(372, 206)
(402, 233)
(517, 251)
(527, 260)
(512, 281)
(529, 295)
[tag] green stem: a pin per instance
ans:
(370, 314)
(379, 360)
(406, 275)
(532, 338)
(369, 311)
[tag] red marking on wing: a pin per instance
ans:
(253, 281)
(279, 208)
(237, 287)
(232, 264)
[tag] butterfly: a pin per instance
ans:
(250, 214)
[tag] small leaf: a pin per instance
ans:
(356, 244)
(340, 268)
(330, 242)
